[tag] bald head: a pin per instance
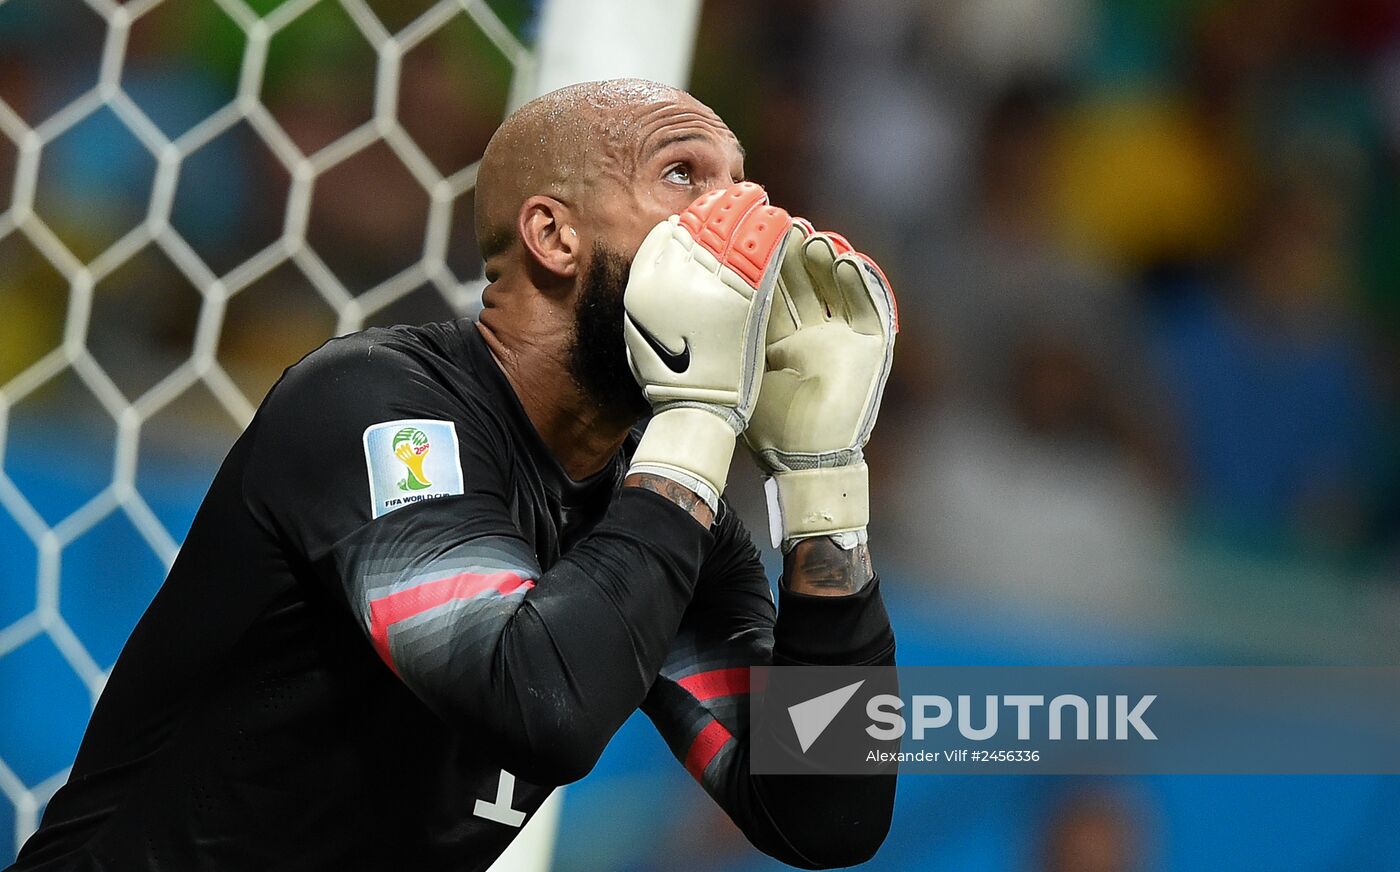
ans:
(585, 146)
(569, 187)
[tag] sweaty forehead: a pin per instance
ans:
(683, 117)
(637, 131)
(581, 140)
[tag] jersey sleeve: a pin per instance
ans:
(397, 494)
(700, 705)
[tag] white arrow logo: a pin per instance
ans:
(811, 718)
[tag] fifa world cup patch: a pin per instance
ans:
(410, 461)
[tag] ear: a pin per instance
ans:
(546, 229)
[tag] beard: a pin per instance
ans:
(598, 353)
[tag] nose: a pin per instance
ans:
(713, 185)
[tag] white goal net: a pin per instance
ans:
(136, 341)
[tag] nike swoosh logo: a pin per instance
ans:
(677, 363)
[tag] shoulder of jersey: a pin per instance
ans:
(364, 353)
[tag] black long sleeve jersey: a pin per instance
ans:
(396, 624)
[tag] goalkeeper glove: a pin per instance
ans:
(830, 342)
(697, 303)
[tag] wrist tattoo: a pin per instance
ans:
(820, 567)
(675, 492)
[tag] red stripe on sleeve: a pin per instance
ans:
(392, 608)
(706, 745)
(716, 683)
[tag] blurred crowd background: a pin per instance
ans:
(1147, 254)
(1148, 261)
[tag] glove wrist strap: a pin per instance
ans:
(806, 503)
(690, 446)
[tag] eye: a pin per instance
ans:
(680, 174)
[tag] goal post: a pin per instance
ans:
(47, 540)
(609, 39)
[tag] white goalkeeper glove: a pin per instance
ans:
(830, 342)
(697, 301)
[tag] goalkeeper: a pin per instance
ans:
(440, 568)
